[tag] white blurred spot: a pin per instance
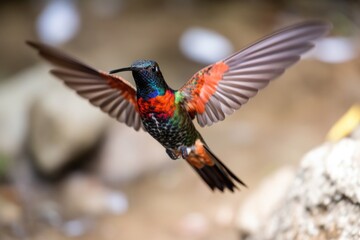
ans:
(117, 202)
(335, 50)
(75, 228)
(58, 22)
(204, 46)
(194, 225)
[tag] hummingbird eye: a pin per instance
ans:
(154, 68)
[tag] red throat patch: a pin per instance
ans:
(164, 104)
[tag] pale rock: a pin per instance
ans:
(61, 123)
(128, 154)
(62, 126)
(323, 200)
(10, 212)
(224, 215)
(194, 225)
(87, 195)
(16, 94)
(259, 206)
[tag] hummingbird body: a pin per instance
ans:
(167, 121)
(212, 93)
(161, 112)
(165, 117)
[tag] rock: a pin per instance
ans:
(356, 133)
(62, 127)
(128, 154)
(322, 201)
(193, 225)
(259, 207)
(87, 195)
(224, 216)
(61, 124)
(16, 96)
(10, 209)
(11, 214)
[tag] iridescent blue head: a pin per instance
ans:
(148, 78)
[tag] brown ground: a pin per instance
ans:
(274, 129)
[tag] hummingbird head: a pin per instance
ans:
(148, 78)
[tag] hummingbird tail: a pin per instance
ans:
(216, 175)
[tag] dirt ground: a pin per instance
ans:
(274, 129)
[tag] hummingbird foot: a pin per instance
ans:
(185, 151)
(172, 154)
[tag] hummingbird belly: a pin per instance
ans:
(171, 132)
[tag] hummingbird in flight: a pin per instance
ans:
(209, 95)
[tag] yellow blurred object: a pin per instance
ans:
(346, 124)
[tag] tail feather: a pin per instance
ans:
(218, 176)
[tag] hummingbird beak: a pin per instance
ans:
(120, 70)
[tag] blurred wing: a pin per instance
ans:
(221, 88)
(110, 93)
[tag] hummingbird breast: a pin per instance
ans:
(167, 121)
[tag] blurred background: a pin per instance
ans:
(68, 171)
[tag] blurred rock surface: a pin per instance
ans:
(10, 210)
(322, 201)
(268, 196)
(16, 95)
(128, 154)
(61, 124)
(62, 127)
(87, 195)
(193, 225)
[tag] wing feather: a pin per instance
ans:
(220, 89)
(112, 94)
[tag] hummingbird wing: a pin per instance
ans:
(111, 93)
(221, 88)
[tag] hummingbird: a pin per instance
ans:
(209, 95)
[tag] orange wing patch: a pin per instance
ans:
(203, 86)
(126, 90)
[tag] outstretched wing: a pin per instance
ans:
(110, 93)
(221, 88)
